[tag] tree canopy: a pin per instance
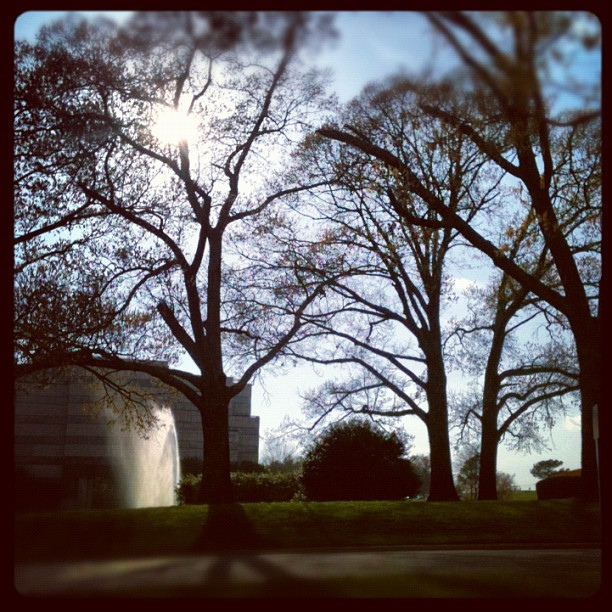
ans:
(124, 237)
(545, 468)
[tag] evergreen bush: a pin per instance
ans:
(356, 460)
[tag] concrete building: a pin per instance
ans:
(69, 456)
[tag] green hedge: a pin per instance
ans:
(564, 485)
(248, 487)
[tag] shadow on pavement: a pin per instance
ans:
(229, 534)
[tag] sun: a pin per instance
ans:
(171, 126)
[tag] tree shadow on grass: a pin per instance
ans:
(229, 535)
(227, 528)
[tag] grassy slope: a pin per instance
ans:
(295, 525)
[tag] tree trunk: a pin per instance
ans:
(442, 485)
(489, 435)
(588, 347)
(487, 477)
(216, 484)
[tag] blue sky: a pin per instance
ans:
(356, 58)
(371, 46)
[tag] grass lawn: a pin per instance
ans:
(524, 495)
(190, 529)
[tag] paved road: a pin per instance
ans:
(543, 572)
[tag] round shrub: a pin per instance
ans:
(356, 460)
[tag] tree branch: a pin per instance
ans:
(477, 240)
(178, 331)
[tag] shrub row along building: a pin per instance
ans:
(72, 449)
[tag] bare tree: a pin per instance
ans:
(522, 382)
(384, 313)
(139, 150)
(504, 105)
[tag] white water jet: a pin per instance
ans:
(147, 470)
